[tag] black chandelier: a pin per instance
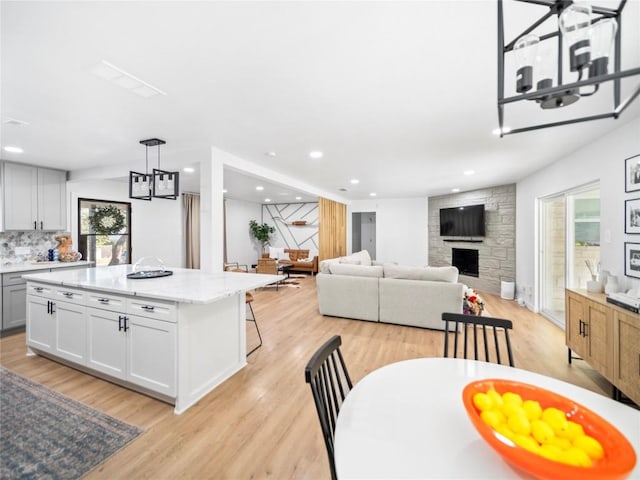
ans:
(591, 33)
(159, 184)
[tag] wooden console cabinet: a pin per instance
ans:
(605, 336)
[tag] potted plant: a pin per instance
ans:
(262, 232)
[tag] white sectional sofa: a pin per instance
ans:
(355, 287)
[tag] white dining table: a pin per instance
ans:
(407, 420)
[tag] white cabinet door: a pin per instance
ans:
(14, 306)
(52, 188)
(20, 193)
(41, 324)
(107, 342)
(71, 331)
(151, 359)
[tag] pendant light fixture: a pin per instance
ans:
(159, 184)
(588, 35)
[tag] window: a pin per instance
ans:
(104, 231)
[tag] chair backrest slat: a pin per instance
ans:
(327, 375)
(475, 321)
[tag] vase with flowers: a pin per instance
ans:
(472, 303)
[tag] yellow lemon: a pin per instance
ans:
(505, 431)
(571, 431)
(527, 443)
(555, 418)
(532, 409)
(590, 446)
(512, 409)
(496, 398)
(519, 424)
(551, 452)
(493, 418)
(563, 443)
(510, 397)
(576, 457)
(482, 401)
(541, 431)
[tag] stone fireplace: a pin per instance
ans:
(465, 260)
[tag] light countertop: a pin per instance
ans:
(184, 286)
(31, 266)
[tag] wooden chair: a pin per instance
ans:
(327, 375)
(476, 321)
(248, 299)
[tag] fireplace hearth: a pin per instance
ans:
(466, 260)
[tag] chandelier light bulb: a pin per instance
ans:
(525, 51)
(575, 24)
(602, 36)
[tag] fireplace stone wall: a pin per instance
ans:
(496, 251)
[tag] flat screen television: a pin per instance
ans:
(467, 221)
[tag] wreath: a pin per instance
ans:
(107, 220)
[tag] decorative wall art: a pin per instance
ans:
(632, 215)
(632, 259)
(632, 174)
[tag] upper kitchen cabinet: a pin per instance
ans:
(34, 198)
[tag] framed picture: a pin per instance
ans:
(632, 174)
(632, 216)
(632, 259)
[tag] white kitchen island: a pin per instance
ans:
(175, 338)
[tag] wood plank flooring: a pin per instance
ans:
(262, 423)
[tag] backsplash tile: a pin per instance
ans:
(37, 242)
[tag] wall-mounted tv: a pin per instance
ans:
(465, 221)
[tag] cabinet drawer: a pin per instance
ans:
(40, 289)
(70, 295)
(152, 309)
(113, 303)
(14, 278)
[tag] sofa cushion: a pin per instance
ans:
(349, 261)
(436, 274)
(363, 256)
(355, 270)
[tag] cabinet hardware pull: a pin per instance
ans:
(67, 294)
(126, 327)
(103, 300)
(53, 304)
(580, 332)
(38, 289)
(48, 307)
(147, 307)
(41, 225)
(119, 323)
(35, 225)
(586, 331)
(639, 364)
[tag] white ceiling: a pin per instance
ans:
(400, 95)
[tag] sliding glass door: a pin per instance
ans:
(569, 246)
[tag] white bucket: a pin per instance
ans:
(507, 290)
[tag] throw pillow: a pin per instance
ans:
(363, 256)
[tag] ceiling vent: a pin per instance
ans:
(125, 80)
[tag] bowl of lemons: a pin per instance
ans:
(545, 434)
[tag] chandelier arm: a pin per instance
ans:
(557, 124)
(618, 59)
(621, 108)
(501, 53)
(570, 86)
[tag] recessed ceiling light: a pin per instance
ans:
(496, 131)
(298, 198)
(270, 154)
(372, 194)
(116, 75)
(455, 190)
(259, 188)
(12, 149)
(267, 199)
(224, 190)
(315, 154)
(16, 122)
(189, 169)
(354, 181)
(469, 172)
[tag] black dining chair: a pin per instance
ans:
(330, 383)
(459, 325)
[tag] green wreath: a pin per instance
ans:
(107, 220)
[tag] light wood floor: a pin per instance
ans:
(262, 423)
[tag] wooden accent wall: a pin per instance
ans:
(332, 231)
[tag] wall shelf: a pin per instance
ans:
(462, 240)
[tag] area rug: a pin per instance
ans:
(45, 435)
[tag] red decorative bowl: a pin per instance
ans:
(619, 456)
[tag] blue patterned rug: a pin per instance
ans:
(45, 435)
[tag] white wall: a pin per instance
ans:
(241, 247)
(601, 160)
(156, 226)
(401, 228)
